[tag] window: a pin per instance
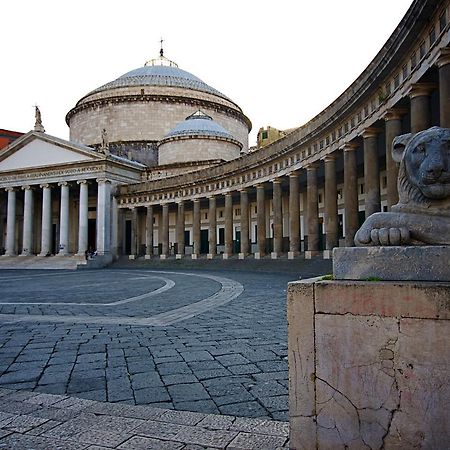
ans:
(359, 117)
(405, 72)
(442, 22)
(346, 127)
(220, 214)
(327, 140)
(422, 50)
(256, 210)
(366, 111)
(396, 81)
(320, 198)
(221, 236)
(413, 60)
(264, 134)
(384, 182)
(237, 212)
(361, 188)
(339, 194)
(321, 144)
(432, 36)
(205, 216)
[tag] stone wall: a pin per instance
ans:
(369, 364)
(198, 149)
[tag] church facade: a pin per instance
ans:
(158, 163)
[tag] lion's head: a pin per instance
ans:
(424, 159)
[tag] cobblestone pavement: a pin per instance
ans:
(199, 341)
(30, 420)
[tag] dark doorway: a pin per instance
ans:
(128, 237)
(204, 244)
(237, 242)
(54, 239)
(92, 234)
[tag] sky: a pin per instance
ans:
(281, 61)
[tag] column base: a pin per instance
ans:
(131, 256)
(179, 256)
(226, 255)
(10, 254)
(26, 254)
(257, 255)
(274, 255)
(44, 254)
(194, 256)
(328, 254)
(162, 256)
(293, 255)
(310, 253)
(242, 255)
(148, 257)
(80, 254)
(210, 256)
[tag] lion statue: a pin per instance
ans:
(422, 215)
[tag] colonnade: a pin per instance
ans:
(306, 180)
(62, 190)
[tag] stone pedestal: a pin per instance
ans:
(428, 263)
(292, 255)
(369, 364)
(194, 256)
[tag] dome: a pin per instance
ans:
(199, 124)
(154, 74)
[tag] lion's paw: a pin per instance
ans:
(389, 236)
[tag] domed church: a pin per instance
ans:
(143, 106)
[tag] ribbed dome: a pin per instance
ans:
(199, 124)
(160, 75)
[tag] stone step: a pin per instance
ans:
(42, 262)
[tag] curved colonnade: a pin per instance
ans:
(310, 190)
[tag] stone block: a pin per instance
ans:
(194, 256)
(368, 364)
(179, 256)
(148, 257)
(274, 255)
(327, 254)
(131, 256)
(425, 263)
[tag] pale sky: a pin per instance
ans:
(281, 61)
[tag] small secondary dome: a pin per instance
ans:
(199, 124)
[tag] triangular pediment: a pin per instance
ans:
(35, 150)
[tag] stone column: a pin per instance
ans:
(165, 231)
(134, 234)
(114, 227)
(103, 216)
(443, 64)
(46, 235)
(331, 206)
(149, 233)
(393, 121)
(212, 215)
(28, 208)
(312, 211)
(180, 230)
(83, 218)
(11, 223)
(196, 235)
(420, 106)
(245, 226)
(277, 220)
(294, 216)
(371, 172)
(228, 225)
(261, 221)
(351, 222)
(64, 219)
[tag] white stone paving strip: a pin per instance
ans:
(229, 290)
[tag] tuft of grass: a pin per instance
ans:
(327, 277)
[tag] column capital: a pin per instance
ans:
(312, 166)
(395, 114)
(82, 181)
(196, 200)
(276, 181)
(330, 157)
(45, 185)
(443, 57)
(63, 183)
(259, 186)
(370, 132)
(10, 189)
(179, 201)
(243, 189)
(103, 180)
(421, 89)
(350, 147)
(228, 194)
(27, 187)
(212, 196)
(294, 174)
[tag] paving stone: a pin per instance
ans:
(261, 426)
(244, 369)
(44, 427)
(232, 360)
(196, 356)
(188, 392)
(272, 366)
(256, 441)
(105, 438)
(217, 422)
(146, 379)
(20, 441)
(145, 443)
(247, 409)
(23, 423)
(172, 368)
(204, 406)
(158, 430)
(179, 379)
(151, 395)
(268, 389)
(201, 436)
(182, 418)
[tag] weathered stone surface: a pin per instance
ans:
(429, 263)
(379, 364)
